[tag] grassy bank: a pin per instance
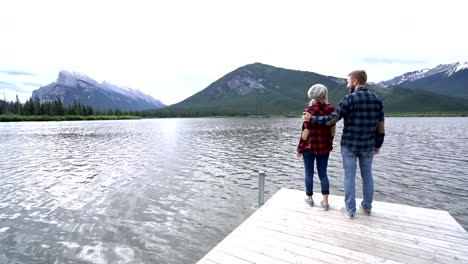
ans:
(421, 114)
(428, 114)
(17, 118)
(409, 114)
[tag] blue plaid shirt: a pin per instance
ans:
(362, 111)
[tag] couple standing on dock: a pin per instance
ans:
(362, 138)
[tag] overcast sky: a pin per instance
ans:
(173, 49)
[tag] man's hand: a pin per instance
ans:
(376, 151)
(298, 155)
(306, 117)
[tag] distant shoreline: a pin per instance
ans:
(448, 114)
(435, 114)
(422, 114)
(19, 118)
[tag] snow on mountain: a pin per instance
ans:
(459, 66)
(71, 87)
(72, 79)
(448, 69)
(136, 94)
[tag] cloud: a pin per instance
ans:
(392, 61)
(165, 43)
(17, 73)
(33, 84)
(7, 85)
(11, 87)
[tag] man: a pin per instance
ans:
(363, 136)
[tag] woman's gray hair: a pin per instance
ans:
(318, 93)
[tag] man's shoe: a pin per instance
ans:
(346, 213)
(325, 206)
(309, 202)
(365, 211)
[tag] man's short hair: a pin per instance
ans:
(360, 76)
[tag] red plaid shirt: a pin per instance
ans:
(320, 140)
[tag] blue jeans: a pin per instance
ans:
(349, 166)
(322, 163)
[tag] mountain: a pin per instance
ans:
(71, 87)
(447, 79)
(258, 89)
(263, 89)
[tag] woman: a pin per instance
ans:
(316, 143)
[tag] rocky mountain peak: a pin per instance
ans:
(71, 87)
(447, 69)
(72, 79)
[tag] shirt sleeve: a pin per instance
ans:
(341, 111)
(306, 125)
(381, 113)
(302, 143)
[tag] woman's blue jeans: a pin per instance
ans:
(322, 163)
(365, 165)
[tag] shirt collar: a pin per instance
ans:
(363, 88)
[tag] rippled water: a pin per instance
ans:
(168, 190)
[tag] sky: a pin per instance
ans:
(174, 49)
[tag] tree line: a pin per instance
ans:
(34, 107)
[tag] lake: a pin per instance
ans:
(168, 190)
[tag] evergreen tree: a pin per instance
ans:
(59, 107)
(33, 106)
(89, 110)
(17, 106)
(11, 107)
(77, 108)
(47, 109)
(28, 108)
(37, 107)
(84, 110)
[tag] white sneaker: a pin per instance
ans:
(346, 213)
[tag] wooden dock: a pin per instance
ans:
(286, 230)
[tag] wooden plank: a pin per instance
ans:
(406, 209)
(443, 222)
(285, 230)
(457, 236)
(260, 256)
(224, 258)
(206, 261)
(400, 208)
(380, 245)
(310, 248)
(404, 240)
(381, 250)
(370, 226)
(290, 253)
(361, 221)
(379, 208)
